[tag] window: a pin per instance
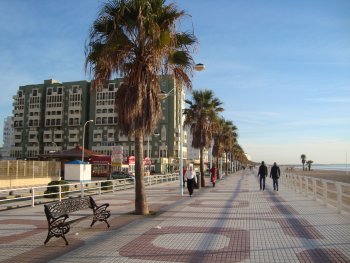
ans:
(35, 92)
(59, 90)
(49, 91)
(111, 87)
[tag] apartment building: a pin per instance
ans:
(51, 116)
(8, 137)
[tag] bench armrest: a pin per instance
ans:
(101, 208)
(58, 220)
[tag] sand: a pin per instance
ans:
(328, 175)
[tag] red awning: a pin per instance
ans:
(100, 159)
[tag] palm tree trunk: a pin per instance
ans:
(141, 206)
(201, 168)
(217, 168)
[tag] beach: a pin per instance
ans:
(340, 176)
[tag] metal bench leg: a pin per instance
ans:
(47, 239)
(65, 240)
(93, 222)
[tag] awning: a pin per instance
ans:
(100, 159)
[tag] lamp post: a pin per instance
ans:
(82, 155)
(197, 67)
(148, 151)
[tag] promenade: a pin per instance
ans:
(233, 222)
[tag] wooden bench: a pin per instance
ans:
(57, 214)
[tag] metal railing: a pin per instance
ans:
(18, 197)
(329, 192)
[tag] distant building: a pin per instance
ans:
(8, 138)
(50, 117)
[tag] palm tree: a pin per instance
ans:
(202, 117)
(137, 40)
(224, 137)
(303, 160)
(231, 139)
(239, 154)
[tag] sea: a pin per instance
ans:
(332, 167)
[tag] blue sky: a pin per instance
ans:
(281, 68)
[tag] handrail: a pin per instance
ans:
(24, 196)
(330, 192)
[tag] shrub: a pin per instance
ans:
(55, 189)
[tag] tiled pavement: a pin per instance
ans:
(233, 222)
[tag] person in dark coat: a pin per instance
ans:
(263, 173)
(275, 174)
(213, 175)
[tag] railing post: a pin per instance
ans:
(339, 197)
(314, 188)
(33, 197)
(99, 188)
(59, 193)
(81, 189)
(324, 192)
(113, 185)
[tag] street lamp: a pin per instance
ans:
(82, 155)
(197, 67)
(148, 152)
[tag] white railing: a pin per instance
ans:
(329, 192)
(17, 197)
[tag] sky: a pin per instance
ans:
(280, 68)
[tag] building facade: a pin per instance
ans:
(8, 138)
(51, 116)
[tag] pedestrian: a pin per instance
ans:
(213, 175)
(275, 174)
(263, 173)
(191, 179)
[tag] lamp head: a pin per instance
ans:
(199, 67)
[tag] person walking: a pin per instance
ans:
(191, 179)
(275, 174)
(213, 175)
(263, 173)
